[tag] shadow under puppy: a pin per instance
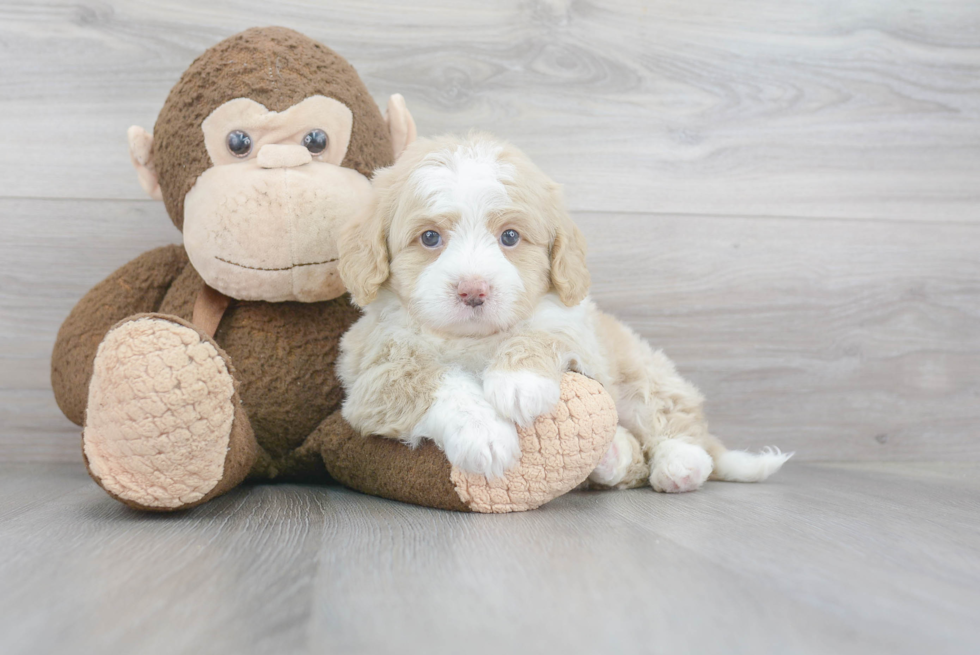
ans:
(474, 286)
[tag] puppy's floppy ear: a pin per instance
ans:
(569, 274)
(363, 250)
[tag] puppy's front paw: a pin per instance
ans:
(486, 444)
(520, 396)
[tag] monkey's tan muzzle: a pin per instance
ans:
(275, 155)
(266, 229)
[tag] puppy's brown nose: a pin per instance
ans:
(473, 291)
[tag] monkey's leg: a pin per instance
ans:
(136, 287)
(386, 467)
(165, 428)
(557, 454)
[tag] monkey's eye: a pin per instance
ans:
(239, 143)
(510, 238)
(316, 141)
(430, 239)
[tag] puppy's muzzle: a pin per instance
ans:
(473, 291)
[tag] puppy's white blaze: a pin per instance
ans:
(472, 252)
(468, 180)
(743, 466)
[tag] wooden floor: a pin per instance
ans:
(823, 558)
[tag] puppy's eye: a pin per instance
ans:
(316, 141)
(510, 238)
(430, 239)
(239, 143)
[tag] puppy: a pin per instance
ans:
(474, 286)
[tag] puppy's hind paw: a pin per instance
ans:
(614, 465)
(679, 466)
(520, 396)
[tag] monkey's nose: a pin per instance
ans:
(278, 155)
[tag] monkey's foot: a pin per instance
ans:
(164, 428)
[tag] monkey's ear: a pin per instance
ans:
(363, 250)
(141, 152)
(401, 125)
(569, 274)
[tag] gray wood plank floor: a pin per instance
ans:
(823, 558)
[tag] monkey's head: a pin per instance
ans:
(262, 151)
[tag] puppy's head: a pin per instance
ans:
(469, 234)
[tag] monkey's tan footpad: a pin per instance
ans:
(160, 414)
(559, 452)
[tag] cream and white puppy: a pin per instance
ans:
(473, 281)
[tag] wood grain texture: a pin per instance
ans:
(803, 108)
(782, 195)
(871, 558)
(51, 254)
(836, 339)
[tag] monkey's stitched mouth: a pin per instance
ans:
(284, 268)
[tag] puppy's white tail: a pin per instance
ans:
(743, 466)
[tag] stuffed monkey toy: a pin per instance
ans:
(193, 368)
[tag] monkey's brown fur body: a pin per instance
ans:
(175, 416)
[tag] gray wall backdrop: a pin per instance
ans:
(783, 194)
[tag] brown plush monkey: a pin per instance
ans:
(193, 368)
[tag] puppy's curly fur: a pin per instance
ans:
(474, 283)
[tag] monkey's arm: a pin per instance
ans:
(137, 287)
